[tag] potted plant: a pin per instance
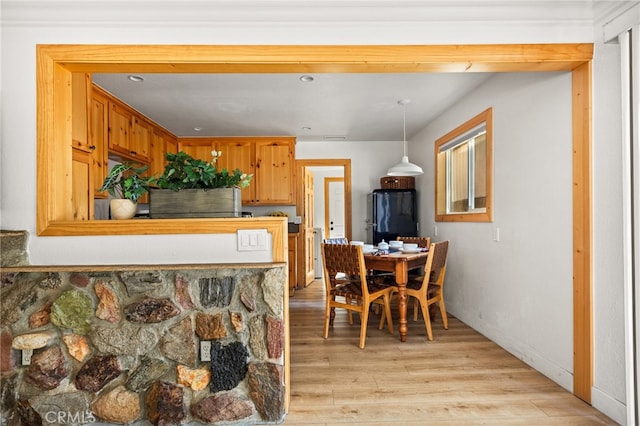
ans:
(126, 183)
(191, 187)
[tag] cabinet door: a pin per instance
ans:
(239, 154)
(158, 150)
(119, 128)
(98, 137)
(82, 185)
(171, 144)
(80, 104)
(161, 143)
(199, 148)
(140, 139)
(274, 171)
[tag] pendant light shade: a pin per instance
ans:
(404, 167)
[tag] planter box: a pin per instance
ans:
(186, 203)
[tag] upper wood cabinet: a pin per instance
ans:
(238, 153)
(129, 133)
(269, 159)
(199, 148)
(141, 131)
(80, 88)
(99, 138)
(274, 172)
(162, 142)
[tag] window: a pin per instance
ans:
(464, 172)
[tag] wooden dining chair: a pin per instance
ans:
(348, 286)
(421, 241)
(428, 289)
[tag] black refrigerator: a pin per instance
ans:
(392, 213)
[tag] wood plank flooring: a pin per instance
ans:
(459, 378)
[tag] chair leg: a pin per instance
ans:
(427, 320)
(364, 319)
(387, 313)
(443, 311)
(415, 310)
(349, 313)
(382, 321)
(329, 313)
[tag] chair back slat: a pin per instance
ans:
(437, 261)
(342, 258)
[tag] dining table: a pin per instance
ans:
(400, 263)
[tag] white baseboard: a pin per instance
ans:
(608, 406)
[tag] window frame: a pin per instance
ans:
(441, 211)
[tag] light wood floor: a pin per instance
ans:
(459, 378)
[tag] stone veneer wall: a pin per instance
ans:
(122, 346)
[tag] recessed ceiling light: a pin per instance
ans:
(136, 78)
(197, 129)
(306, 128)
(306, 78)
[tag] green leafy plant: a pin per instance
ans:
(185, 172)
(127, 181)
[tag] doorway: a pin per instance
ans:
(306, 250)
(334, 217)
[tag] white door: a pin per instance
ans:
(334, 200)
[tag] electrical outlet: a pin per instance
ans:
(205, 350)
(26, 356)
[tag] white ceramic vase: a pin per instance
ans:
(122, 208)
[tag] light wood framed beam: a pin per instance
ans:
(54, 64)
(582, 234)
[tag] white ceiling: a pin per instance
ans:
(358, 107)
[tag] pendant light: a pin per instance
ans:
(404, 167)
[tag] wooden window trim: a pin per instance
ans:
(485, 116)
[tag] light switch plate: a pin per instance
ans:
(252, 240)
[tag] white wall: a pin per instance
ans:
(26, 23)
(516, 291)
(608, 291)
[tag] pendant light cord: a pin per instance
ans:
(404, 127)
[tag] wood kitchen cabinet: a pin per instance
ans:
(274, 172)
(162, 142)
(82, 185)
(239, 153)
(80, 105)
(129, 133)
(99, 138)
(141, 131)
(199, 148)
(269, 159)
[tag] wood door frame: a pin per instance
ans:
(301, 165)
(327, 208)
(345, 163)
(56, 63)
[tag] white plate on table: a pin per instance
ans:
(407, 251)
